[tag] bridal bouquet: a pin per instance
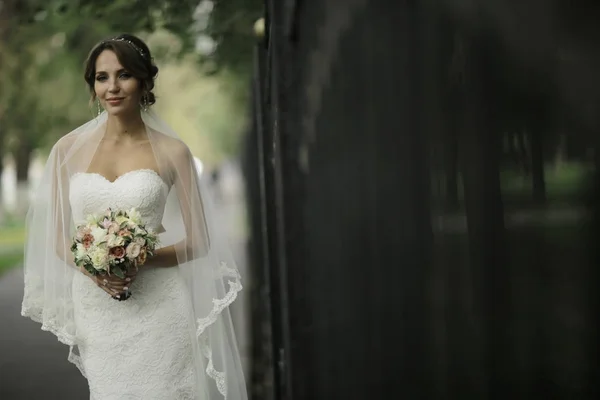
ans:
(113, 243)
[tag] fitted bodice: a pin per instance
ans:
(144, 189)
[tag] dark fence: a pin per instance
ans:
(418, 177)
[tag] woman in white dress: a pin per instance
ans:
(165, 332)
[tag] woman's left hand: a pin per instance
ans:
(120, 285)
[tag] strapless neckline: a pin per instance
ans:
(122, 176)
(144, 189)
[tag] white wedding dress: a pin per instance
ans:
(141, 348)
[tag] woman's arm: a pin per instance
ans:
(164, 257)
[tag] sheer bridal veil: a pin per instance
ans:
(205, 262)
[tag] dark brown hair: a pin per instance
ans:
(135, 57)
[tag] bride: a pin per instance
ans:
(165, 332)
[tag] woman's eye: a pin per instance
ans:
(100, 78)
(125, 75)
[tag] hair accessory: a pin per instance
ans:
(140, 51)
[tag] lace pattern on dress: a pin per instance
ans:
(219, 305)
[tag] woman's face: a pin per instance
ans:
(118, 91)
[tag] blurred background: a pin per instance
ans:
(410, 187)
(204, 55)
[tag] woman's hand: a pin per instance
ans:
(113, 285)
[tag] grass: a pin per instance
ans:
(561, 181)
(12, 238)
(10, 259)
(566, 183)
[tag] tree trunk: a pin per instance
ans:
(538, 180)
(523, 152)
(451, 168)
(560, 155)
(22, 156)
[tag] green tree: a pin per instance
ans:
(228, 22)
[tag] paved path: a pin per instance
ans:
(33, 364)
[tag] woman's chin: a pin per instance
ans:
(120, 111)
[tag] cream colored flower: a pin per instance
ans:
(133, 250)
(113, 240)
(80, 251)
(92, 219)
(99, 257)
(120, 219)
(98, 233)
(135, 216)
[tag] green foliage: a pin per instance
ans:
(10, 260)
(44, 42)
(229, 23)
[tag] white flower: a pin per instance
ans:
(121, 218)
(135, 216)
(92, 219)
(133, 250)
(113, 240)
(99, 257)
(141, 241)
(80, 252)
(98, 233)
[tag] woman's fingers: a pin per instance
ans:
(113, 285)
(110, 286)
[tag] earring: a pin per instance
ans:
(145, 102)
(98, 104)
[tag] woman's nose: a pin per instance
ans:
(113, 86)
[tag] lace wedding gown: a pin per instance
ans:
(140, 348)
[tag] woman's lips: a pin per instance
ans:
(114, 102)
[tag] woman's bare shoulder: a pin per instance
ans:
(83, 133)
(174, 146)
(64, 144)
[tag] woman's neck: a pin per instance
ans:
(130, 127)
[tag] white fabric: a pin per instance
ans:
(149, 333)
(173, 339)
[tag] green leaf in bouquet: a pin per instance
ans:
(118, 272)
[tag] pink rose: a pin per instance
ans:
(123, 232)
(87, 240)
(113, 227)
(117, 252)
(82, 231)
